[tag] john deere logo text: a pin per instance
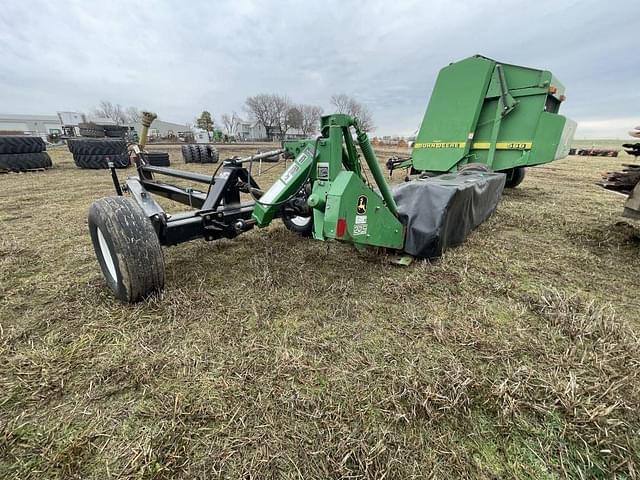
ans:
(362, 205)
(440, 145)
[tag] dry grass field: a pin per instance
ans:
(516, 355)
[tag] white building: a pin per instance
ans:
(254, 132)
(41, 125)
(160, 128)
(251, 132)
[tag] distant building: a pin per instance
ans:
(41, 125)
(160, 128)
(251, 132)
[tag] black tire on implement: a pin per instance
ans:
(303, 226)
(101, 161)
(18, 162)
(127, 248)
(21, 144)
(159, 159)
(515, 176)
(97, 146)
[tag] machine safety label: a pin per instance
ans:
(359, 229)
(360, 219)
(323, 170)
(280, 184)
(361, 207)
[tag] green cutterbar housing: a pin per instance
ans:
(483, 111)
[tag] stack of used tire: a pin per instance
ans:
(114, 131)
(158, 159)
(93, 130)
(20, 153)
(98, 152)
(200, 154)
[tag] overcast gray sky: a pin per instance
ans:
(178, 58)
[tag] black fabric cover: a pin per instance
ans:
(440, 212)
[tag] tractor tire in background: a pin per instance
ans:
(19, 162)
(515, 176)
(86, 146)
(158, 159)
(113, 131)
(90, 130)
(212, 153)
(21, 144)
(127, 248)
(200, 154)
(187, 154)
(195, 154)
(101, 161)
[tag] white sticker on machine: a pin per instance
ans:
(359, 229)
(360, 219)
(280, 184)
(323, 170)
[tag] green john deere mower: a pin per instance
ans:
(485, 121)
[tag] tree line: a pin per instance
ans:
(277, 114)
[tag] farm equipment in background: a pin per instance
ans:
(627, 182)
(485, 112)
(594, 152)
(327, 193)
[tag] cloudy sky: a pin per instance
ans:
(178, 58)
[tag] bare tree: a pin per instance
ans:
(272, 111)
(281, 108)
(310, 118)
(133, 115)
(112, 112)
(231, 123)
(349, 105)
(294, 117)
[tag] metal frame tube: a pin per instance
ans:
(376, 171)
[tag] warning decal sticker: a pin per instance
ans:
(361, 207)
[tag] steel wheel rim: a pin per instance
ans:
(105, 251)
(300, 221)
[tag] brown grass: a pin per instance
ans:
(272, 356)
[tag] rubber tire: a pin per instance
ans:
(158, 159)
(92, 146)
(133, 245)
(213, 154)
(186, 154)
(195, 153)
(203, 154)
(101, 161)
(18, 144)
(515, 176)
(17, 162)
(114, 134)
(304, 231)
